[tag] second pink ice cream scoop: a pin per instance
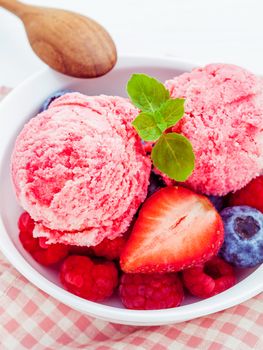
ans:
(224, 122)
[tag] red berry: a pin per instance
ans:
(88, 279)
(50, 255)
(176, 229)
(251, 195)
(110, 248)
(25, 223)
(209, 279)
(29, 243)
(151, 291)
(42, 241)
(80, 250)
(45, 254)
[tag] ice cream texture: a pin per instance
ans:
(224, 122)
(79, 169)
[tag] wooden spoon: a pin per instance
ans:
(68, 42)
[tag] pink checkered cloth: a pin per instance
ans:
(31, 319)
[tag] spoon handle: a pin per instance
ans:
(16, 7)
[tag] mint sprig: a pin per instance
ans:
(146, 92)
(172, 111)
(172, 154)
(146, 126)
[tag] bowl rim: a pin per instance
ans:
(247, 288)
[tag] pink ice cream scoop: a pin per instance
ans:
(79, 169)
(224, 122)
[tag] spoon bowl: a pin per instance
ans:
(68, 42)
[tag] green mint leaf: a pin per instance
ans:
(173, 155)
(146, 93)
(172, 111)
(159, 119)
(146, 127)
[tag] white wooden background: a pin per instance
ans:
(201, 31)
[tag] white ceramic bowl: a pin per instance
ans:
(22, 104)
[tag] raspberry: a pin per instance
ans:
(51, 255)
(89, 279)
(151, 291)
(80, 250)
(25, 223)
(251, 195)
(209, 279)
(110, 248)
(45, 254)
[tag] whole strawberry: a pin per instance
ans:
(89, 279)
(150, 291)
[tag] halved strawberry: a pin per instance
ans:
(176, 229)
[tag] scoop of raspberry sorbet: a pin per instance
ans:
(224, 122)
(79, 169)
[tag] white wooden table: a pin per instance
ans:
(202, 31)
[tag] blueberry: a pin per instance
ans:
(217, 201)
(156, 183)
(243, 245)
(52, 97)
